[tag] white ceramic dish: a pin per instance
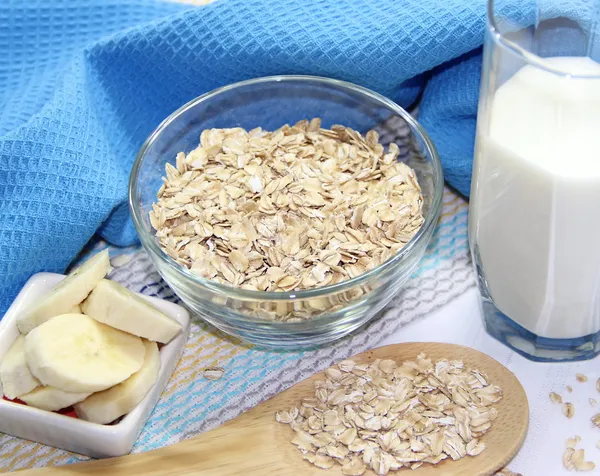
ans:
(72, 434)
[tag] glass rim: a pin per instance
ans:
(527, 56)
(147, 237)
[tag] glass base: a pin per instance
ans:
(533, 347)
(528, 344)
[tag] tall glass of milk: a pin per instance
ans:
(534, 224)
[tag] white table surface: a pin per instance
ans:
(460, 322)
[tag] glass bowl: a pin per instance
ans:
(287, 319)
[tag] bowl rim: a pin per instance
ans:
(147, 237)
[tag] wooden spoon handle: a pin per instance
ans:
(236, 448)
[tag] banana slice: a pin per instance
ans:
(74, 310)
(14, 373)
(52, 399)
(67, 294)
(105, 407)
(118, 307)
(75, 353)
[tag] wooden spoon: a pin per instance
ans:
(255, 444)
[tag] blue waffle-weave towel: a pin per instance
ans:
(83, 82)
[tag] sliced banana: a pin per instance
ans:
(74, 310)
(105, 407)
(14, 373)
(75, 353)
(67, 294)
(118, 307)
(52, 399)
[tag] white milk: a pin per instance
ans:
(535, 200)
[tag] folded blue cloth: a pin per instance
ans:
(83, 82)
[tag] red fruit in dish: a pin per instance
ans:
(65, 411)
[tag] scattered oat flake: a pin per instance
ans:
(581, 378)
(213, 373)
(598, 385)
(298, 208)
(569, 388)
(567, 462)
(386, 416)
(555, 397)
(586, 466)
(593, 402)
(287, 416)
(568, 409)
(573, 442)
(596, 420)
(507, 472)
(120, 260)
(574, 459)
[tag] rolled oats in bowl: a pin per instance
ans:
(292, 235)
(294, 209)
